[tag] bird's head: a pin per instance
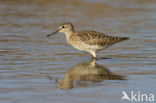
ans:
(65, 28)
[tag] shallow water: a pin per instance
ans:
(31, 65)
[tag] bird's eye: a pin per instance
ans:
(63, 26)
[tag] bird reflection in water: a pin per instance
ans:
(88, 72)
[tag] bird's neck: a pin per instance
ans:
(68, 34)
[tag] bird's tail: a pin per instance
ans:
(116, 39)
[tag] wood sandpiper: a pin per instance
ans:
(86, 40)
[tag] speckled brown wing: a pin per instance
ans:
(96, 38)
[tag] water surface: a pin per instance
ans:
(32, 64)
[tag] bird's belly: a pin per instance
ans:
(86, 47)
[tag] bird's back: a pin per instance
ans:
(94, 38)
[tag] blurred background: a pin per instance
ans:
(28, 58)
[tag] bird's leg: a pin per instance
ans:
(94, 58)
(93, 53)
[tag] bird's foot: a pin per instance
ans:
(105, 58)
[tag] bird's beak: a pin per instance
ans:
(53, 33)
